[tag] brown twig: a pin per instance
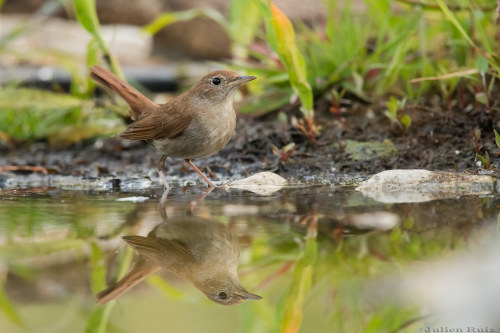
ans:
(24, 168)
(282, 270)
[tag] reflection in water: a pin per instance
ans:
(49, 239)
(196, 249)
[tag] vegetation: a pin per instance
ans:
(403, 50)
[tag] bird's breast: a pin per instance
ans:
(209, 131)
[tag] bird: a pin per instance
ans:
(200, 250)
(195, 124)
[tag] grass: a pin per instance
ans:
(61, 119)
(381, 50)
(390, 49)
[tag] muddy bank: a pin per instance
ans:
(356, 143)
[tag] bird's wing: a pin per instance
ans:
(159, 250)
(167, 121)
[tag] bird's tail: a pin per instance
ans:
(140, 270)
(137, 102)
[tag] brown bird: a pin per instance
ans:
(196, 124)
(196, 249)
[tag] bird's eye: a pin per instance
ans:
(221, 295)
(216, 81)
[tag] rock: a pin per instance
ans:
(199, 38)
(394, 186)
(128, 43)
(263, 183)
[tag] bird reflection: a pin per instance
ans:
(196, 249)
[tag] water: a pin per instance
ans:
(324, 259)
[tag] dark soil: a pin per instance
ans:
(438, 139)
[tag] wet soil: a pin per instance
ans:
(438, 139)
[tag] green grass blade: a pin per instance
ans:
(92, 59)
(265, 12)
(166, 19)
(454, 20)
(86, 15)
(478, 19)
(292, 57)
(245, 19)
(301, 284)
(165, 288)
(98, 265)
(99, 318)
(8, 309)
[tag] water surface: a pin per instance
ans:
(320, 256)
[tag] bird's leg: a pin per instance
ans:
(200, 199)
(160, 167)
(162, 205)
(210, 184)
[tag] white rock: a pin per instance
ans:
(395, 186)
(263, 183)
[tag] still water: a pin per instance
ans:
(323, 259)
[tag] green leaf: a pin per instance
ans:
(482, 64)
(406, 121)
(291, 57)
(482, 98)
(497, 138)
(391, 116)
(393, 106)
(485, 160)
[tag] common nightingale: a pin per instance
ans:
(198, 123)
(196, 249)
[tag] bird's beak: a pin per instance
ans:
(246, 295)
(243, 79)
